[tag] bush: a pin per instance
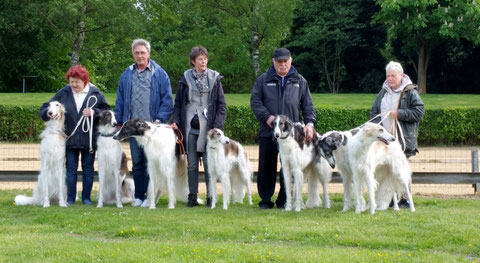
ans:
(440, 126)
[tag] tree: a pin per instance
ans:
(260, 23)
(422, 25)
(323, 30)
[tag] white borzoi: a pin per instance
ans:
(51, 186)
(228, 161)
(384, 161)
(116, 186)
(158, 142)
(299, 157)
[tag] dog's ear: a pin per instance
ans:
(210, 134)
(141, 125)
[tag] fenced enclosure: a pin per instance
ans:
(442, 166)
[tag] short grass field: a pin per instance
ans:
(441, 230)
(347, 100)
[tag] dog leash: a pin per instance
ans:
(181, 148)
(84, 120)
(396, 123)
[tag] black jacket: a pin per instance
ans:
(267, 99)
(217, 107)
(80, 140)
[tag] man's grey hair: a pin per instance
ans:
(142, 42)
(395, 66)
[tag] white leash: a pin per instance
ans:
(89, 126)
(397, 124)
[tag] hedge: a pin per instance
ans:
(440, 126)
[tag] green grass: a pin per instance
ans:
(324, 99)
(442, 230)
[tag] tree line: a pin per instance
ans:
(337, 45)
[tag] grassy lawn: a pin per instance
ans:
(342, 100)
(442, 230)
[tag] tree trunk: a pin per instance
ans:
(256, 54)
(78, 42)
(423, 59)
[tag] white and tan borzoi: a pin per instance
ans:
(374, 153)
(228, 161)
(51, 186)
(300, 157)
(158, 142)
(116, 186)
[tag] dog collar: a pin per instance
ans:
(107, 135)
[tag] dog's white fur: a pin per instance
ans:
(158, 142)
(299, 158)
(115, 186)
(51, 186)
(228, 161)
(369, 159)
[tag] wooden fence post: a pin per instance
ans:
(476, 187)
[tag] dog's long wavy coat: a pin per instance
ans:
(51, 186)
(116, 186)
(158, 142)
(300, 159)
(228, 161)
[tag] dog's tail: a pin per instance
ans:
(24, 200)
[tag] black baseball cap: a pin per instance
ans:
(281, 53)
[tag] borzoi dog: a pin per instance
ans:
(332, 146)
(115, 184)
(228, 161)
(385, 161)
(299, 157)
(158, 142)
(51, 186)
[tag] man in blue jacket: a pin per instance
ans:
(280, 90)
(144, 92)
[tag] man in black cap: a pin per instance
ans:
(280, 90)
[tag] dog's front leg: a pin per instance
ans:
(118, 188)
(313, 196)
(298, 177)
(287, 178)
(171, 189)
(45, 192)
(101, 186)
(151, 193)
(226, 188)
(62, 193)
(372, 186)
(358, 187)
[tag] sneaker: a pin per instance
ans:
(87, 202)
(137, 202)
(145, 203)
(403, 203)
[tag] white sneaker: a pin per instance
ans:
(146, 203)
(137, 202)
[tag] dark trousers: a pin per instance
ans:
(267, 173)
(87, 173)
(139, 169)
(192, 164)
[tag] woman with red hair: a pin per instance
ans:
(82, 101)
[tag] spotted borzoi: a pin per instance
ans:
(51, 186)
(228, 161)
(116, 186)
(375, 153)
(299, 157)
(158, 142)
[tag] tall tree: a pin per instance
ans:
(261, 23)
(423, 24)
(323, 30)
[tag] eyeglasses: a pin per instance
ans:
(140, 53)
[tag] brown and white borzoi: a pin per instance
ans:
(299, 157)
(51, 186)
(158, 142)
(228, 161)
(116, 186)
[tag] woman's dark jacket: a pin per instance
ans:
(80, 140)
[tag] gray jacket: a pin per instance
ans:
(267, 99)
(410, 112)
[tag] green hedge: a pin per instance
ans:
(442, 126)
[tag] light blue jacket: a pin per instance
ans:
(161, 100)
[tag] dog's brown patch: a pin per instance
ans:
(231, 148)
(123, 166)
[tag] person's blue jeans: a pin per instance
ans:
(87, 173)
(139, 169)
(192, 164)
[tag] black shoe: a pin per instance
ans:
(391, 204)
(403, 203)
(192, 200)
(209, 202)
(265, 205)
